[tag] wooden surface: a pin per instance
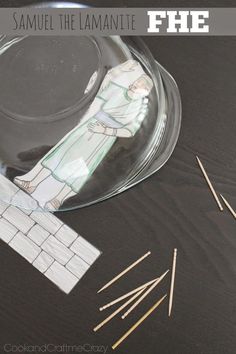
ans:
(174, 208)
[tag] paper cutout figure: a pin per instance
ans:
(117, 111)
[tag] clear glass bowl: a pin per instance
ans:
(47, 84)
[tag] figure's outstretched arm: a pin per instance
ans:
(100, 128)
(120, 133)
(126, 131)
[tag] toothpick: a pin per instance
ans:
(138, 323)
(172, 282)
(127, 295)
(229, 206)
(144, 295)
(209, 184)
(118, 310)
(125, 271)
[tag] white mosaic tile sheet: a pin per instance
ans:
(46, 242)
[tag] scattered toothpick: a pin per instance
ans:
(138, 323)
(125, 271)
(127, 295)
(172, 282)
(229, 206)
(118, 310)
(209, 184)
(144, 295)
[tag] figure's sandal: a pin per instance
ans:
(25, 185)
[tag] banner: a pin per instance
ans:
(118, 21)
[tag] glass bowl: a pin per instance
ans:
(81, 119)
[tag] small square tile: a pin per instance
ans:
(77, 266)
(47, 220)
(85, 250)
(62, 277)
(38, 234)
(3, 207)
(57, 250)
(19, 219)
(25, 247)
(43, 262)
(7, 230)
(66, 235)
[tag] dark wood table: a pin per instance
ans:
(174, 208)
